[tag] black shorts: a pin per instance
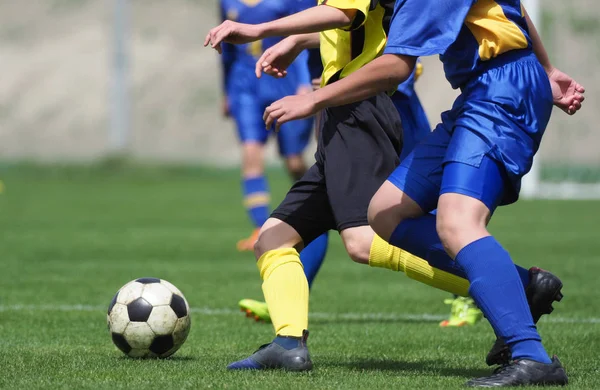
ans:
(358, 149)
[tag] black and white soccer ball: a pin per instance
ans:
(148, 317)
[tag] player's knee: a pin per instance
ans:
(295, 166)
(457, 230)
(449, 228)
(358, 243)
(358, 251)
(276, 234)
(252, 159)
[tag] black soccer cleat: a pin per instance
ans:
(275, 356)
(524, 372)
(543, 290)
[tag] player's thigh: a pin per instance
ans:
(361, 144)
(276, 234)
(294, 136)
(247, 112)
(390, 206)
(306, 206)
(417, 179)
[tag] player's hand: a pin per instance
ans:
(232, 32)
(277, 59)
(288, 109)
(567, 94)
(225, 108)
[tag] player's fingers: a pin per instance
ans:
(207, 39)
(579, 88)
(270, 109)
(579, 97)
(219, 35)
(262, 61)
(272, 117)
(286, 117)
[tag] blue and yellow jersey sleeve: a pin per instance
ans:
(465, 33)
(424, 28)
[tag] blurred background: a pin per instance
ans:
(86, 79)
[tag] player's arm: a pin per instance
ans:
(383, 74)
(315, 19)
(277, 59)
(380, 75)
(566, 92)
(228, 57)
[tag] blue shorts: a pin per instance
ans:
(247, 110)
(486, 142)
(415, 126)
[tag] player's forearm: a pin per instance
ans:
(538, 46)
(380, 75)
(307, 41)
(315, 19)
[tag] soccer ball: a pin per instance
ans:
(148, 317)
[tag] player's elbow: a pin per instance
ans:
(341, 17)
(397, 68)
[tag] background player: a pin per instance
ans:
(245, 98)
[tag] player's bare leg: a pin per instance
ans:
(256, 199)
(542, 290)
(286, 292)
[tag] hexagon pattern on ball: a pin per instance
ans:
(173, 289)
(130, 292)
(157, 294)
(148, 317)
(139, 335)
(162, 320)
(118, 319)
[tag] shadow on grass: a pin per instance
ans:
(429, 367)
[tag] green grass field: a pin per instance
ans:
(69, 238)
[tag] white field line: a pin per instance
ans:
(316, 315)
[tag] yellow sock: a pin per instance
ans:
(384, 255)
(286, 290)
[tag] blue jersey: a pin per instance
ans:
(465, 33)
(240, 60)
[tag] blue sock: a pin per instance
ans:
(419, 237)
(288, 342)
(256, 199)
(313, 255)
(498, 292)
